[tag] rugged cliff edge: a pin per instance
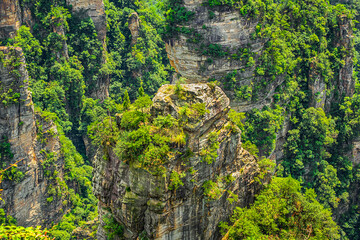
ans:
(224, 43)
(163, 208)
(25, 195)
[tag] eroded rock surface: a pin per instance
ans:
(9, 18)
(25, 198)
(144, 203)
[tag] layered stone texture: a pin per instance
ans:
(12, 15)
(144, 203)
(25, 199)
(226, 28)
(9, 18)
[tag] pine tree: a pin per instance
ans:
(126, 102)
(141, 91)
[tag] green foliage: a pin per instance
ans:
(176, 14)
(126, 102)
(199, 109)
(175, 180)
(261, 127)
(213, 50)
(212, 190)
(56, 17)
(33, 51)
(306, 143)
(104, 133)
(29, 233)
(281, 211)
(11, 62)
(112, 227)
(6, 157)
(143, 62)
(210, 153)
(84, 44)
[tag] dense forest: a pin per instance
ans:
(248, 110)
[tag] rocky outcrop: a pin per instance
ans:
(149, 204)
(95, 10)
(25, 197)
(9, 18)
(12, 15)
(134, 25)
(225, 27)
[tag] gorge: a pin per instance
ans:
(175, 119)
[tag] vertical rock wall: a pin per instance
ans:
(10, 19)
(95, 10)
(25, 199)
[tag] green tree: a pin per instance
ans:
(281, 211)
(126, 101)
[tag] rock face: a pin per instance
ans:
(25, 198)
(225, 27)
(9, 18)
(12, 15)
(134, 25)
(146, 203)
(95, 10)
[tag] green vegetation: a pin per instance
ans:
(301, 45)
(281, 211)
(11, 62)
(29, 233)
(139, 140)
(112, 228)
(69, 66)
(144, 62)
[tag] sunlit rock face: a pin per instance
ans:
(144, 203)
(25, 198)
(10, 18)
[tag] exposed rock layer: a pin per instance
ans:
(26, 199)
(9, 18)
(226, 27)
(143, 202)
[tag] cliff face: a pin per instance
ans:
(225, 27)
(93, 9)
(9, 18)
(231, 32)
(25, 197)
(148, 203)
(96, 11)
(12, 15)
